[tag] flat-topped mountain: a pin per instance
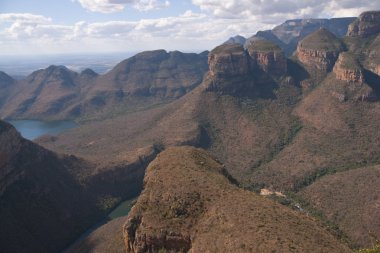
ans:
(189, 205)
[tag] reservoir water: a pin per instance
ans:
(32, 129)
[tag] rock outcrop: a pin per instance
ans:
(367, 24)
(351, 84)
(319, 51)
(229, 69)
(268, 57)
(190, 205)
(228, 61)
(348, 69)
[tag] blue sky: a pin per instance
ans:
(84, 26)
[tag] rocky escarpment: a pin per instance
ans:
(238, 71)
(319, 51)
(367, 24)
(347, 69)
(351, 82)
(189, 205)
(229, 69)
(268, 57)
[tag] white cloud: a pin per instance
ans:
(110, 6)
(24, 18)
(189, 31)
(217, 21)
(277, 11)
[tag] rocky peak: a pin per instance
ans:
(348, 69)
(367, 24)
(268, 56)
(319, 51)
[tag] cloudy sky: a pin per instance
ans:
(80, 26)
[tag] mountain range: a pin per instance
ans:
(262, 145)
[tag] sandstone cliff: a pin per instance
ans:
(347, 69)
(367, 24)
(319, 51)
(268, 57)
(229, 69)
(351, 84)
(190, 205)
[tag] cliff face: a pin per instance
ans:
(238, 71)
(319, 51)
(351, 84)
(267, 56)
(348, 69)
(189, 205)
(228, 61)
(367, 24)
(229, 69)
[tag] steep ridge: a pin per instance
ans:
(42, 205)
(189, 205)
(48, 200)
(146, 79)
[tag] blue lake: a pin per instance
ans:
(32, 129)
